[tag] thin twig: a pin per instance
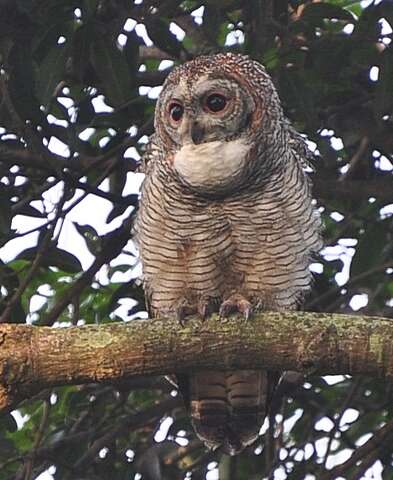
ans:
(357, 157)
(352, 391)
(379, 439)
(336, 290)
(40, 256)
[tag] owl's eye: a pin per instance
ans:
(176, 111)
(215, 102)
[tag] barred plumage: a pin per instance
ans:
(226, 222)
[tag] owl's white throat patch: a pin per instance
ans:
(211, 165)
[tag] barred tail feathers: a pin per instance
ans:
(228, 408)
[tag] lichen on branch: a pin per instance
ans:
(33, 358)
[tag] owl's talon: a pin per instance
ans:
(236, 303)
(203, 310)
(207, 306)
(247, 312)
(180, 315)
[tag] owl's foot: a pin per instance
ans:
(207, 306)
(180, 315)
(236, 303)
(181, 310)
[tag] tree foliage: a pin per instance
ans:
(78, 81)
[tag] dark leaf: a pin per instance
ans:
(8, 277)
(81, 49)
(158, 31)
(22, 83)
(131, 290)
(112, 69)
(116, 211)
(315, 12)
(118, 179)
(5, 212)
(212, 19)
(384, 94)
(131, 53)
(62, 133)
(51, 72)
(90, 7)
(7, 422)
(91, 237)
(368, 27)
(54, 257)
(370, 249)
(86, 112)
(30, 211)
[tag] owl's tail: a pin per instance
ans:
(228, 408)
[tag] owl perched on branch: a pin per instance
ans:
(226, 223)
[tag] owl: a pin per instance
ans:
(226, 224)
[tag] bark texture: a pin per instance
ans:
(33, 358)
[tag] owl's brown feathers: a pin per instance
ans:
(226, 222)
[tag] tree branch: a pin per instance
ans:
(33, 358)
(381, 440)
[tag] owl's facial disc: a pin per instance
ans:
(207, 109)
(207, 119)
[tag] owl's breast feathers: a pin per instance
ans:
(212, 166)
(258, 243)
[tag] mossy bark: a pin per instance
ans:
(33, 358)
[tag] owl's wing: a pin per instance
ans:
(300, 149)
(151, 152)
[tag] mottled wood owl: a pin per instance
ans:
(226, 223)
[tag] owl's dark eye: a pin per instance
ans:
(176, 111)
(216, 102)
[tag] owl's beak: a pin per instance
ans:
(191, 131)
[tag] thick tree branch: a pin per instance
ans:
(33, 358)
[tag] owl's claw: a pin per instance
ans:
(207, 306)
(236, 303)
(180, 315)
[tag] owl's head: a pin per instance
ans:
(213, 116)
